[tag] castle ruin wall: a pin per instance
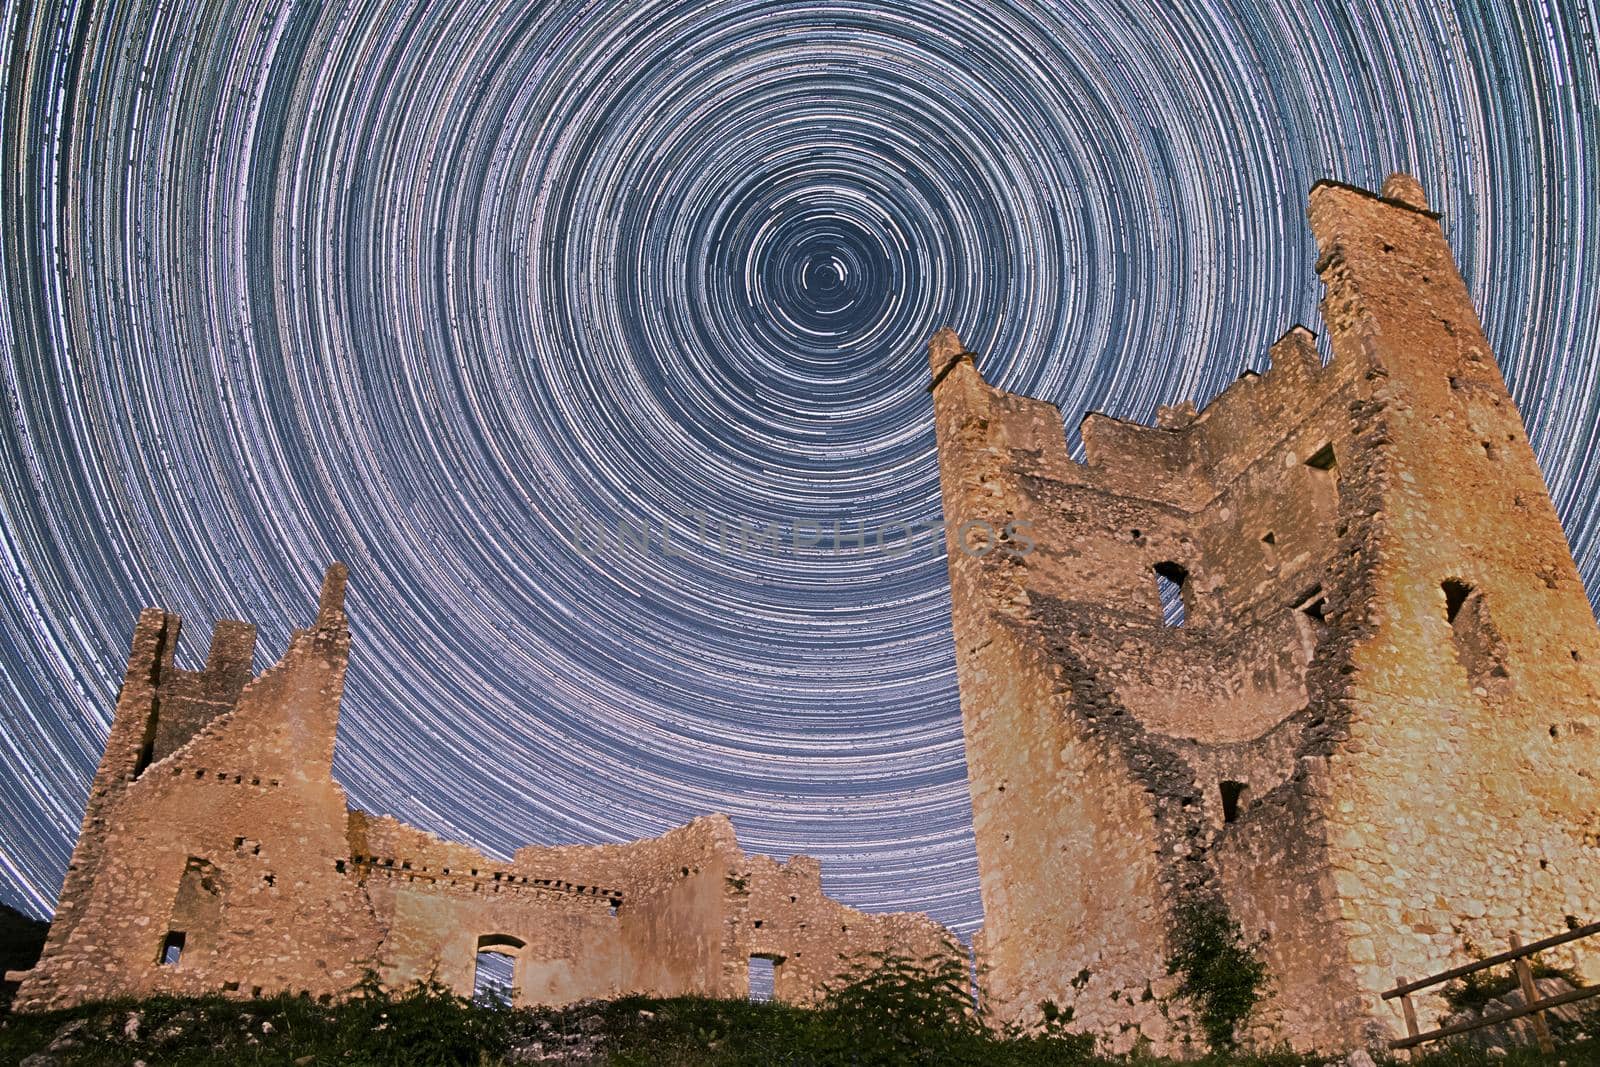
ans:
(219, 855)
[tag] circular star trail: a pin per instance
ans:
(430, 287)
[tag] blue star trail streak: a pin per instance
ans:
(423, 286)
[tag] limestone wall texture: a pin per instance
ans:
(218, 854)
(1372, 738)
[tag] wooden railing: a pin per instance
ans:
(1532, 1005)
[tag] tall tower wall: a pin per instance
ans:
(1462, 802)
(1373, 584)
(1030, 774)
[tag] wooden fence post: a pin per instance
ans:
(1411, 1020)
(1530, 996)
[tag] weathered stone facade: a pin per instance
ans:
(1372, 738)
(218, 854)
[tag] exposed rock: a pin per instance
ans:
(69, 1037)
(1517, 1031)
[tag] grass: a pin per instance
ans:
(896, 1018)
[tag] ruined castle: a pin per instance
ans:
(218, 854)
(1317, 656)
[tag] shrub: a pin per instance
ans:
(1221, 975)
(891, 1003)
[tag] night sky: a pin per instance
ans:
(427, 287)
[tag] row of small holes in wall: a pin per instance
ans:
(457, 881)
(225, 777)
(497, 876)
(255, 991)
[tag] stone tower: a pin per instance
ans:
(1318, 655)
(214, 827)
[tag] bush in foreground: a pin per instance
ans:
(887, 1018)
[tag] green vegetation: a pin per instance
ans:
(1217, 972)
(896, 1016)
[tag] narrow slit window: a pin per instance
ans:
(1479, 646)
(172, 948)
(1315, 608)
(1232, 795)
(1311, 618)
(1323, 466)
(1269, 548)
(1172, 590)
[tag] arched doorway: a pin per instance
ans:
(494, 972)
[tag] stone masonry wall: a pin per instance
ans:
(1463, 802)
(238, 833)
(1380, 701)
(218, 854)
(815, 943)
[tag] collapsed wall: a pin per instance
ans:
(218, 854)
(1317, 656)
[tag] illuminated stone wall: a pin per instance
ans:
(1371, 737)
(218, 854)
